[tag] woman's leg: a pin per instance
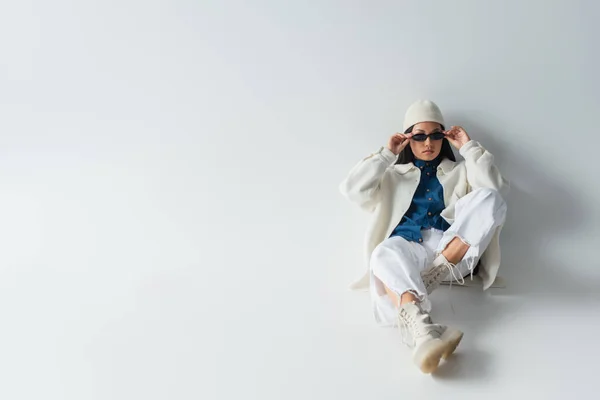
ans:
(455, 250)
(477, 215)
(396, 265)
(398, 300)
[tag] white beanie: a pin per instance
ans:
(422, 111)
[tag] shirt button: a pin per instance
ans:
(430, 199)
(428, 173)
(428, 190)
(420, 240)
(428, 213)
(421, 167)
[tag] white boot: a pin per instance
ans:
(452, 337)
(431, 341)
(438, 271)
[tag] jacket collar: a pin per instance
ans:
(404, 168)
(445, 166)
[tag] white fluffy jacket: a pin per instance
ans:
(386, 189)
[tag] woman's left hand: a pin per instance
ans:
(457, 136)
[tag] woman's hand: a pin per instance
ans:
(457, 136)
(398, 142)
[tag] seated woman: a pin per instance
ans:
(433, 219)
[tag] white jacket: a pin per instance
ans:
(386, 190)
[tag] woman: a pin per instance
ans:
(434, 219)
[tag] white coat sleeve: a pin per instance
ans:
(481, 171)
(362, 186)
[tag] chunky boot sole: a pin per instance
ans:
(452, 338)
(428, 355)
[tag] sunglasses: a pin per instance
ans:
(421, 137)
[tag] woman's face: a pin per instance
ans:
(428, 149)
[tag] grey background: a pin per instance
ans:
(170, 220)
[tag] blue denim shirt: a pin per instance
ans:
(427, 204)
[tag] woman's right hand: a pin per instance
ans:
(398, 142)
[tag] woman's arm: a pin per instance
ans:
(363, 183)
(481, 171)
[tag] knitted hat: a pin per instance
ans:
(422, 111)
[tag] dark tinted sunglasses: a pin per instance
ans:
(421, 137)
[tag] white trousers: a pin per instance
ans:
(397, 263)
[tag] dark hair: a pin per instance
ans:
(406, 156)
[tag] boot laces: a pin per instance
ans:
(414, 327)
